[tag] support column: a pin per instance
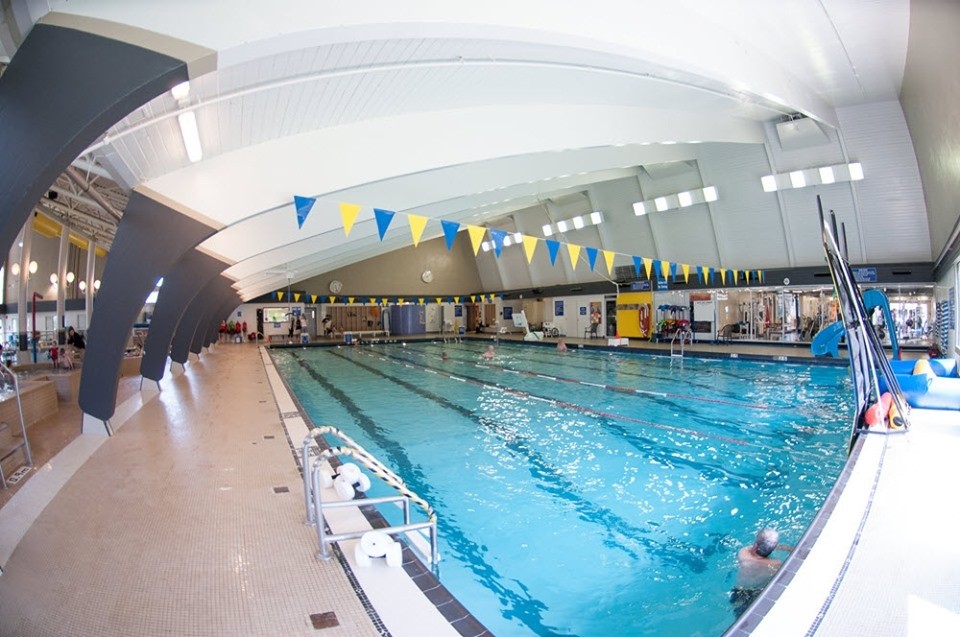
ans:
(212, 295)
(62, 283)
(90, 276)
(23, 285)
(209, 331)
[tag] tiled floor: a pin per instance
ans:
(173, 525)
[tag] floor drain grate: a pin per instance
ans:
(281, 489)
(324, 620)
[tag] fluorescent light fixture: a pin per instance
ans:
(685, 199)
(577, 222)
(660, 203)
(561, 226)
(517, 238)
(856, 171)
(769, 183)
(191, 135)
(486, 246)
(816, 176)
(547, 230)
(826, 175)
(507, 242)
(639, 208)
(797, 180)
(181, 91)
(152, 297)
(596, 217)
(710, 193)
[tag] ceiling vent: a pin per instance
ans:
(800, 132)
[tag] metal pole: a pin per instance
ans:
(318, 507)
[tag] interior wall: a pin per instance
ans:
(399, 273)
(929, 95)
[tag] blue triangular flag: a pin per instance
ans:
(637, 264)
(592, 256)
(553, 247)
(450, 229)
(673, 269)
(384, 217)
(657, 269)
(303, 206)
(497, 236)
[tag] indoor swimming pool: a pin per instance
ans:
(588, 492)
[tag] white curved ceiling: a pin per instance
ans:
(467, 111)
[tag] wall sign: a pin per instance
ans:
(558, 308)
(865, 275)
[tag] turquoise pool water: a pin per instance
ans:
(588, 493)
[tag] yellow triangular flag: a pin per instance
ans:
(349, 212)
(760, 276)
(747, 274)
(723, 276)
(735, 273)
(704, 272)
(333, 299)
(647, 265)
(608, 256)
(665, 269)
(476, 237)
(313, 298)
(456, 299)
(384, 301)
(399, 301)
(473, 298)
(686, 272)
(574, 251)
(350, 299)
(530, 246)
(439, 299)
(417, 224)
(420, 300)
(279, 296)
(296, 297)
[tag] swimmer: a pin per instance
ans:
(489, 354)
(757, 568)
(561, 346)
(443, 356)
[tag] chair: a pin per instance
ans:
(591, 332)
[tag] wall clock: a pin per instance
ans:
(335, 287)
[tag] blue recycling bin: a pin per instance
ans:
(348, 339)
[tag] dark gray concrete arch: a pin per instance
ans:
(180, 286)
(212, 295)
(42, 132)
(151, 237)
(209, 329)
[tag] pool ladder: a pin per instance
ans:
(315, 505)
(682, 335)
(8, 381)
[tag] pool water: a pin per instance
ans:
(588, 493)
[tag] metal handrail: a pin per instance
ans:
(314, 494)
(682, 334)
(9, 377)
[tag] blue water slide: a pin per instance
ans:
(827, 340)
(876, 298)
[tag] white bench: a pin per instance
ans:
(364, 333)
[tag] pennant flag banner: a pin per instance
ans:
(473, 298)
(384, 217)
(647, 265)
(439, 299)
(702, 273)
(349, 212)
(313, 298)
(279, 295)
(592, 257)
(553, 247)
(608, 256)
(735, 273)
(760, 276)
(456, 299)
(399, 300)
(530, 246)
(296, 297)
(747, 275)
(665, 269)
(723, 276)
(450, 229)
(673, 270)
(420, 300)
(417, 224)
(574, 251)
(686, 272)
(637, 263)
(476, 238)
(303, 205)
(496, 235)
(333, 299)
(351, 299)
